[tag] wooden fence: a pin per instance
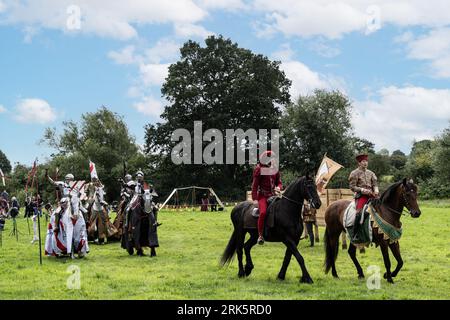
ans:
(330, 196)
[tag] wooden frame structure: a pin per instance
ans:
(193, 198)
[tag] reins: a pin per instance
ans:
(403, 212)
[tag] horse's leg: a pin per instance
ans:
(248, 248)
(239, 252)
(291, 245)
(395, 248)
(286, 262)
(153, 252)
(344, 241)
(352, 253)
(387, 262)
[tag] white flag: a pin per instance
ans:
(93, 170)
(326, 171)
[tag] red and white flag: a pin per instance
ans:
(93, 170)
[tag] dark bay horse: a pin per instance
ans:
(141, 229)
(288, 228)
(390, 207)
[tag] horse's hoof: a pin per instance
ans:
(307, 280)
(336, 276)
(241, 274)
(281, 277)
(390, 281)
(248, 270)
(361, 277)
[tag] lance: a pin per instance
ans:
(31, 173)
(56, 179)
(39, 220)
(28, 220)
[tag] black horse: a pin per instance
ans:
(286, 222)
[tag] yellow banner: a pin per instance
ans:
(326, 171)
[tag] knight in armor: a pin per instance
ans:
(264, 187)
(364, 184)
(139, 191)
(98, 221)
(63, 189)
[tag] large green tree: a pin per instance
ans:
(317, 124)
(420, 162)
(225, 87)
(101, 137)
(441, 163)
(5, 165)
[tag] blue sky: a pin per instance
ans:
(59, 59)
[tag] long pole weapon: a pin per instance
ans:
(39, 220)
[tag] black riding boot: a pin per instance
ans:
(357, 226)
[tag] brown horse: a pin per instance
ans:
(390, 207)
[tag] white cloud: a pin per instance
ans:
(124, 56)
(304, 80)
(34, 111)
(187, 30)
(433, 47)
(333, 19)
(2, 7)
(153, 74)
(285, 53)
(402, 115)
(229, 5)
(2, 109)
(323, 49)
(115, 19)
(149, 106)
(164, 50)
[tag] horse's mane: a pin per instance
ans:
(386, 195)
(294, 184)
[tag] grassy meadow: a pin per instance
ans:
(187, 266)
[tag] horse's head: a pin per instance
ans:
(409, 191)
(310, 192)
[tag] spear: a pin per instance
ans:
(39, 220)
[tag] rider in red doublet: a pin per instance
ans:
(264, 187)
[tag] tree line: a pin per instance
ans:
(228, 87)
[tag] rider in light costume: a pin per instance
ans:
(68, 230)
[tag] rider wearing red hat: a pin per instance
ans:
(364, 184)
(264, 186)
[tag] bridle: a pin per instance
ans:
(407, 205)
(297, 202)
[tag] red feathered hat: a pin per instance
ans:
(361, 157)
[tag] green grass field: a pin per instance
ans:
(187, 266)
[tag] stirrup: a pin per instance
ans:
(260, 240)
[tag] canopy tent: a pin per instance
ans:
(190, 200)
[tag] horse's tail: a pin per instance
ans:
(230, 250)
(331, 250)
(236, 217)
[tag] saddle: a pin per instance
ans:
(251, 218)
(365, 231)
